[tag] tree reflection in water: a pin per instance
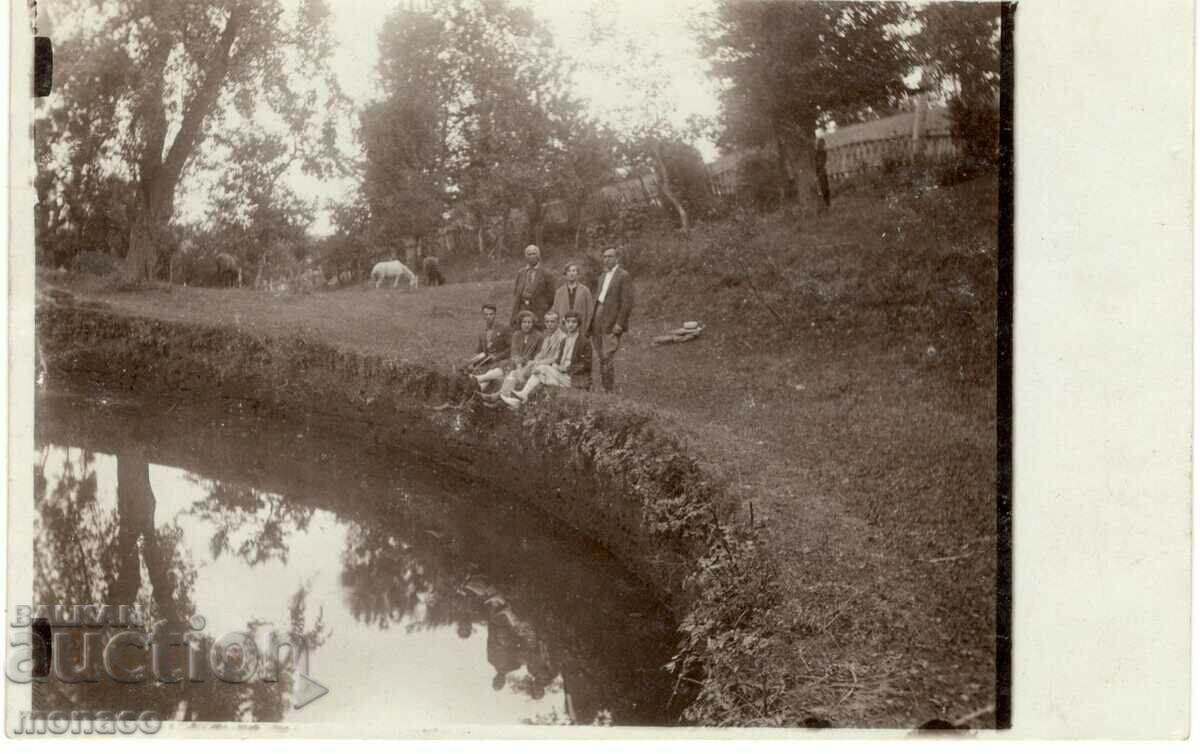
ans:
(250, 524)
(550, 635)
(86, 553)
(420, 581)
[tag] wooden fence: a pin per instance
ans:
(864, 156)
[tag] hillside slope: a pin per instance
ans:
(846, 381)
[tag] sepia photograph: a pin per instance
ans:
(454, 365)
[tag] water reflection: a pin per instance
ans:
(448, 606)
(94, 551)
(250, 524)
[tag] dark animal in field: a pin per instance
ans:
(393, 269)
(433, 271)
(229, 270)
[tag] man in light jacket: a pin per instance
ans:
(614, 304)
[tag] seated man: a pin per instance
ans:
(523, 346)
(572, 368)
(546, 355)
(494, 343)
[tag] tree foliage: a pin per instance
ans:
(161, 78)
(474, 112)
(790, 68)
(959, 49)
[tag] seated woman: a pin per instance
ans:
(525, 343)
(572, 368)
(552, 339)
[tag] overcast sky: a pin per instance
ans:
(661, 25)
(662, 28)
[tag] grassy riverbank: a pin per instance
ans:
(846, 392)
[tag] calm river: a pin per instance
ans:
(416, 597)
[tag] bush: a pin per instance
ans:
(976, 128)
(95, 263)
(761, 183)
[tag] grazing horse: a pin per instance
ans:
(229, 270)
(393, 268)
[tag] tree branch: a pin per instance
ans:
(204, 100)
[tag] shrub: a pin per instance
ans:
(762, 185)
(95, 263)
(976, 128)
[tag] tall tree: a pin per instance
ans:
(646, 123)
(792, 67)
(403, 186)
(254, 214)
(480, 81)
(959, 49)
(589, 159)
(177, 72)
(79, 205)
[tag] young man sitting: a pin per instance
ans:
(547, 354)
(494, 343)
(523, 346)
(572, 368)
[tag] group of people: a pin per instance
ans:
(555, 333)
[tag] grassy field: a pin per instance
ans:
(845, 385)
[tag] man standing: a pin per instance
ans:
(534, 288)
(611, 318)
(820, 156)
(573, 296)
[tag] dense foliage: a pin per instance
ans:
(153, 83)
(480, 139)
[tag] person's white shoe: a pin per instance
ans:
(511, 400)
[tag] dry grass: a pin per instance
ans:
(861, 432)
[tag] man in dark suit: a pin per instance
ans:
(820, 157)
(493, 346)
(534, 288)
(614, 303)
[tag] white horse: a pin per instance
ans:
(393, 268)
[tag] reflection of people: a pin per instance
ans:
(819, 158)
(572, 368)
(573, 296)
(538, 660)
(523, 347)
(503, 647)
(614, 303)
(493, 343)
(513, 642)
(533, 289)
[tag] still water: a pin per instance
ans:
(417, 598)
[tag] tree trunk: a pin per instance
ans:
(157, 175)
(787, 185)
(537, 219)
(664, 185)
(144, 235)
(410, 252)
(575, 211)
